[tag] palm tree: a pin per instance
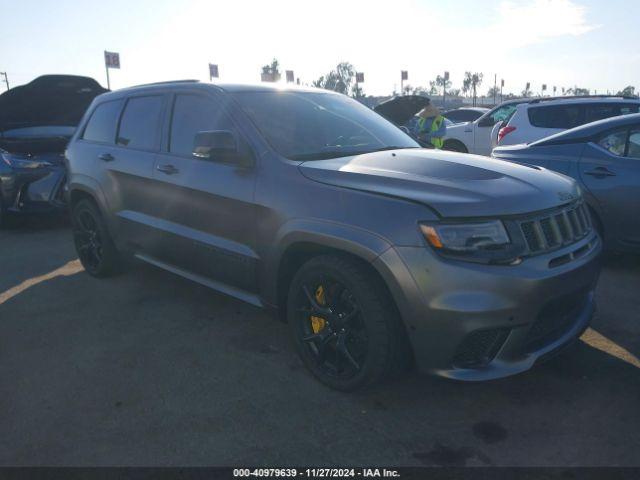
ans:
(471, 82)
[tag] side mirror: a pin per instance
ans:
(486, 122)
(221, 145)
(214, 143)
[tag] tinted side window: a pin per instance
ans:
(634, 143)
(193, 114)
(102, 124)
(556, 116)
(614, 142)
(599, 111)
(140, 122)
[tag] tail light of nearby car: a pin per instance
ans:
(504, 131)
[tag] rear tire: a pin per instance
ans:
(455, 146)
(357, 338)
(94, 245)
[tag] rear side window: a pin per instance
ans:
(102, 124)
(614, 142)
(634, 143)
(556, 116)
(193, 114)
(600, 111)
(140, 122)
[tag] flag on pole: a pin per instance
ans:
(213, 71)
(112, 59)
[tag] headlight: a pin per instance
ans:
(19, 161)
(486, 242)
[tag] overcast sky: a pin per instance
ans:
(591, 44)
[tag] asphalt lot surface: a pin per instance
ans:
(150, 369)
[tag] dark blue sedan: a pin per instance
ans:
(604, 157)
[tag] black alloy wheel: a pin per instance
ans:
(94, 246)
(332, 327)
(88, 241)
(343, 324)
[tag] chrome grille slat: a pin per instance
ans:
(573, 218)
(537, 229)
(565, 218)
(556, 229)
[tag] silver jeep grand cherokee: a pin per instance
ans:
(376, 252)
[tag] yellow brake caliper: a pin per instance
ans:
(318, 323)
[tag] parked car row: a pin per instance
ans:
(528, 120)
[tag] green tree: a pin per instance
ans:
(271, 71)
(526, 92)
(629, 91)
(342, 80)
(442, 83)
(493, 92)
(471, 83)
(578, 91)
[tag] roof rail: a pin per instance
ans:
(165, 82)
(571, 97)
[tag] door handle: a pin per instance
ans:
(600, 172)
(168, 169)
(106, 157)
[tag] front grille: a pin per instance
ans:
(556, 318)
(480, 347)
(556, 229)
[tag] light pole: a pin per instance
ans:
(495, 87)
(444, 89)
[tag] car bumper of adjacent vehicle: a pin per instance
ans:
(479, 322)
(33, 190)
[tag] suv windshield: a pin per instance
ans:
(314, 126)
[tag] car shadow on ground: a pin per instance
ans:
(148, 368)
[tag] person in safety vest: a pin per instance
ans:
(431, 127)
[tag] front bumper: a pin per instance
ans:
(33, 190)
(479, 322)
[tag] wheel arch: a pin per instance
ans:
(457, 142)
(300, 240)
(89, 189)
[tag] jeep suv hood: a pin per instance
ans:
(453, 184)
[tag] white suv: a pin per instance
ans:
(541, 117)
(475, 137)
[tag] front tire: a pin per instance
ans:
(343, 324)
(94, 245)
